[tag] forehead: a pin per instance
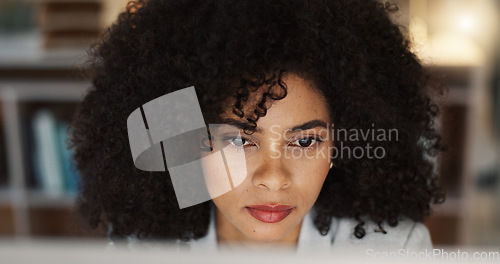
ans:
(302, 104)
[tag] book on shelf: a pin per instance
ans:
(17, 16)
(68, 165)
(61, 16)
(70, 24)
(4, 179)
(54, 167)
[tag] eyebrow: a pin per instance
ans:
(308, 125)
(241, 124)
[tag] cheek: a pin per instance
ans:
(314, 164)
(224, 171)
(222, 202)
(215, 175)
(310, 177)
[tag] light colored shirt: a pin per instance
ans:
(408, 235)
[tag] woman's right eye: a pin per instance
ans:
(238, 142)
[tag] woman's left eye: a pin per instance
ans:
(306, 142)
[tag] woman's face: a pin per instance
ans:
(282, 168)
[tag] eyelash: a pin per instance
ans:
(231, 139)
(316, 142)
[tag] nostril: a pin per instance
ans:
(274, 185)
(263, 186)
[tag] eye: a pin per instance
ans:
(238, 141)
(307, 142)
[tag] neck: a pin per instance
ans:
(228, 236)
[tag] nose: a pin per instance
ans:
(272, 174)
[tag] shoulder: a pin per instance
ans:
(408, 234)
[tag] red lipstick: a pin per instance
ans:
(269, 213)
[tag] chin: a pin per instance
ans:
(266, 234)
(266, 237)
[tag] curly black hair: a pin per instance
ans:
(350, 49)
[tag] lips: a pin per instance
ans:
(269, 213)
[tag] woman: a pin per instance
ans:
(324, 98)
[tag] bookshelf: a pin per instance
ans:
(40, 69)
(445, 224)
(453, 223)
(50, 81)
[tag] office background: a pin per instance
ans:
(43, 44)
